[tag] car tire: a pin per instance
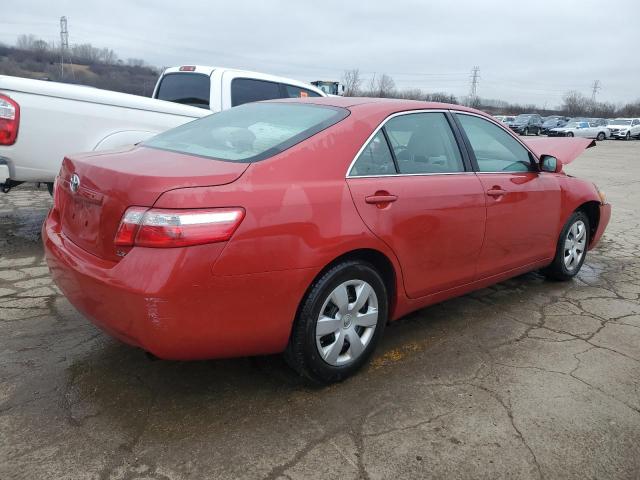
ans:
(525, 132)
(571, 249)
(537, 132)
(50, 188)
(627, 136)
(601, 136)
(569, 134)
(326, 354)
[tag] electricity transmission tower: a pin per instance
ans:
(596, 86)
(64, 43)
(475, 78)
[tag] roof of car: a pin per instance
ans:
(389, 104)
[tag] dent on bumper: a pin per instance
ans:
(169, 303)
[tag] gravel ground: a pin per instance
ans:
(526, 379)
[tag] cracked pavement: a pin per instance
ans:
(526, 379)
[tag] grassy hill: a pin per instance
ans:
(43, 63)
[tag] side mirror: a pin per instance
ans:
(550, 164)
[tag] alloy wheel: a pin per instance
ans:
(347, 321)
(574, 245)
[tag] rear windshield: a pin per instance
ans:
(187, 88)
(249, 133)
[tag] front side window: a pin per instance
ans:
(424, 143)
(375, 159)
(297, 92)
(248, 133)
(246, 90)
(495, 150)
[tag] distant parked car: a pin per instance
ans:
(527, 123)
(553, 121)
(581, 129)
(600, 122)
(624, 128)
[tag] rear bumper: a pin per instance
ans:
(168, 301)
(605, 216)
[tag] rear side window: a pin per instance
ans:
(375, 159)
(246, 90)
(249, 133)
(424, 143)
(495, 150)
(188, 88)
(297, 92)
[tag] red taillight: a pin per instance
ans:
(163, 228)
(9, 120)
(187, 68)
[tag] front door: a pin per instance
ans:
(523, 204)
(419, 198)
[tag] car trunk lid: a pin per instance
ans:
(94, 190)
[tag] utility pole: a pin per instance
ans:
(64, 43)
(475, 78)
(596, 86)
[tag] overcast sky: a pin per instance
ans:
(529, 52)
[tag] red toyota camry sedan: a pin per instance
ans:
(304, 226)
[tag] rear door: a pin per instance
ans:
(415, 191)
(523, 204)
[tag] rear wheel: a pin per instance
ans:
(339, 323)
(601, 136)
(571, 248)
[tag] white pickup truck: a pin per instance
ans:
(41, 121)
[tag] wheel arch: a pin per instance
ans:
(381, 262)
(592, 211)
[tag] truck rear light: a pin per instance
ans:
(9, 120)
(164, 228)
(187, 68)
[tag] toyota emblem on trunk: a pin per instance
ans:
(74, 183)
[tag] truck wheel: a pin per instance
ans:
(601, 136)
(571, 248)
(339, 323)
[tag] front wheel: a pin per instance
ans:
(526, 131)
(627, 136)
(601, 136)
(569, 134)
(339, 324)
(571, 248)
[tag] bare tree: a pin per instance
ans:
(574, 103)
(383, 86)
(26, 42)
(351, 81)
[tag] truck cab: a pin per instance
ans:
(217, 88)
